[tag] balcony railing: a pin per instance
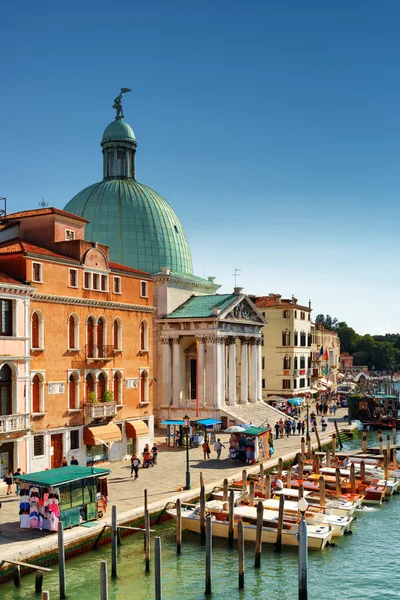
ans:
(9, 423)
(99, 410)
(99, 352)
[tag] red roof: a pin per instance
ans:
(18, 246)
(119, 267)
(266, 301)
(43, 211)
(4, 278)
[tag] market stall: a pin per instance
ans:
(206, 429)
(250, 445)
(174, 426)
(73, 495)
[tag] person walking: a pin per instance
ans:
(277, 427)
(64, 462)
(281, 427)
(16, 477)
(334, 409)
(9, 481)
(298, 427)
(218, 448)
(293, 424)
(74, 461)
(135, 464)
(303, 427)
(206, 449)
(154, 453)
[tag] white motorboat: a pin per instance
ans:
(338, 507)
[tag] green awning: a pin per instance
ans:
(62, 475)
(254, 431)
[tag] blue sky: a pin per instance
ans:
(271, 127)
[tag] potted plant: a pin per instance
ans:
(108, 396)
(93, 398)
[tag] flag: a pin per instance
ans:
(125, 90)
(325, 355)
(326, 370)
(321, 351)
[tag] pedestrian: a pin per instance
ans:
(135, 464)
(16, 477)
(206, 449)
(154, 453)
(323, 424)
(74, 461)
(64, 462)
(177, 439)
(298, 427)
(281, 428)
(287, 427)
(277, 427)
(317, 407)
(293, 424)
(8, 479)
(334, 408)
(303, 427)
(218, 447)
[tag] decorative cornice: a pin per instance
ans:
(16, 290)
(88, 302)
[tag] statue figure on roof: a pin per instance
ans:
(118, 103)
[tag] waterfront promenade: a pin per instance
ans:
(164, 482)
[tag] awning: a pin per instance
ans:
(173, 422)
(136, 428)
(62, 475)
(208, 422)
(102, 434)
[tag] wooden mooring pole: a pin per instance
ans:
(301, 470)
(394, 435)
(114, 541)
(208, 555)
(147, 533)
(280, 467)
(144, 510)
(302, 448)
(364, 441)
(244, 481)
(386, 464)
(380, 440)
(352, 478)
(280, 521)
(259, 528)
(327, 458)
(333, 446)
(231, 518)
(251, 492)
(157, 566)
(388, 448)
(202, 514)
(261, 478)
(338, 434)
(17, 575)
(225, 494)
(178, 526)
(38, 582)
(267, 486)
(362, 471)
(308, 445)
(241, 553)
(103, 580)
(338, 483)
(61, 561)
(301, 491)
(289, 477)
(317, 436)
(45, 595)
(321, 482)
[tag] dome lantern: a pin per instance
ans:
(119, 149)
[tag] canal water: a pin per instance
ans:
(363, 566)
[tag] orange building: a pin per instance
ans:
(91, 331)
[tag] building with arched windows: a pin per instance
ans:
(89, 322)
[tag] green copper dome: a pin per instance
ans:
(140, 227)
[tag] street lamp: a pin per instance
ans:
(303, 549)
(186, 419)
(308, 401)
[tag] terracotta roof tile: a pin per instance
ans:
(119, 267)
(43, 211)
(266, 301)
(18, 246)
(4, 278)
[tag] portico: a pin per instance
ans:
(211, 355)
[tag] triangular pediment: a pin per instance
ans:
(244, 311)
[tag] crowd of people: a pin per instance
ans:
(149, 459)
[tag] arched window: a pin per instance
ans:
(37, 330)
(5, 390)
(296, 365)
(101, 386)
(101, 337)
(144, 336)
(37, 393)
(286, 362)
(73, 391)
(73, 332)
(302, 362)
(286, 338)
(144, 387)
(89, 385)
(117, 387)
(117, 334)
(90, 327)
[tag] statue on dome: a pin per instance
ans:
(118, 103)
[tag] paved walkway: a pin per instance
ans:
(164, 481)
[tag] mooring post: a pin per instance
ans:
(38, 582)
(301, 470)
(251, 492)
(338, 483)
(352, 478)
(308, 438)
(17, 575)
(385, 465)
(317, 436)
(301, 491)
(147, 533)
(261, 478)
(178, 526)
(302, 448)
(362, 471)
(333, 446)
(280, 467)
(231, 517)
(327, 458)
(280, 522)
(338, 434)
(244, 481)
(321, 482)
(45, 595)
(303, 559)
(380, 440)
(394, 458)
(289, 477)
(114, 541)
(208, 555)
(202, 514)
(201, 479)
(144, 509)
(394, 435)
(225, 494)
(241, 553)
(388, 448)
(259, 529)
(364, 441)
(267, 486)
(157, 565)
(103, 580)
(61, 561)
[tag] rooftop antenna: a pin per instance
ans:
(43, 204)
(3, 207)
(236, 274)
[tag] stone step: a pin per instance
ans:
(257, 414)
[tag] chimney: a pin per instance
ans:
(277, 299)
(211, 278)
(237, 291)
(216, 310)
(309, 304)
(165, 270)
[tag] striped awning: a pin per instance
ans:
(136, 428)
(102, 434)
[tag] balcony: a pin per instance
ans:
(295, 373)
(99, 410)
(10, 423)
(99, 352)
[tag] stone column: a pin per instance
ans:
(244, 375)
(232, 372)
(209, 399)
(253, 370)
(200, 371)
(222, 372)
(166, 371)
(259, 369)
(176, 372)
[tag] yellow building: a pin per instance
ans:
(286, 349)
(325, 356)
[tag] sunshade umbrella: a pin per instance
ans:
(235, 429)
(296, 401)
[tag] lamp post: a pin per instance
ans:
(308, 417)
(303, 551)
(186, 418)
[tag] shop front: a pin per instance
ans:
(98, 440)
(137, 436)
(250, 446)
